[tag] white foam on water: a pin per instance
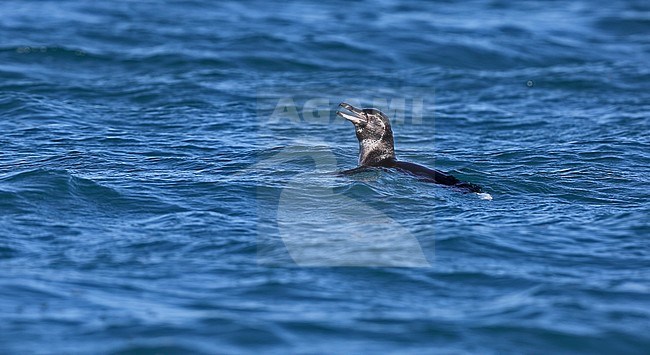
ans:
(484, 196)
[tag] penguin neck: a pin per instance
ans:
(375, 153)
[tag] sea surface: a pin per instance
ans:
(168, 177)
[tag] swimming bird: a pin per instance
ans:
(377, 148)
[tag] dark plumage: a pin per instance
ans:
(377, 149)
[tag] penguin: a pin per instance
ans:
(377, 148)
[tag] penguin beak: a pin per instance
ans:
(357, 116)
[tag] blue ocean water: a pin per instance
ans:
(152, 202)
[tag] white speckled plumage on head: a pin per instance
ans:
(374, 133)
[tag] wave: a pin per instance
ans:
(51, 192)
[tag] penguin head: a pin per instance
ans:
(374, 133)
